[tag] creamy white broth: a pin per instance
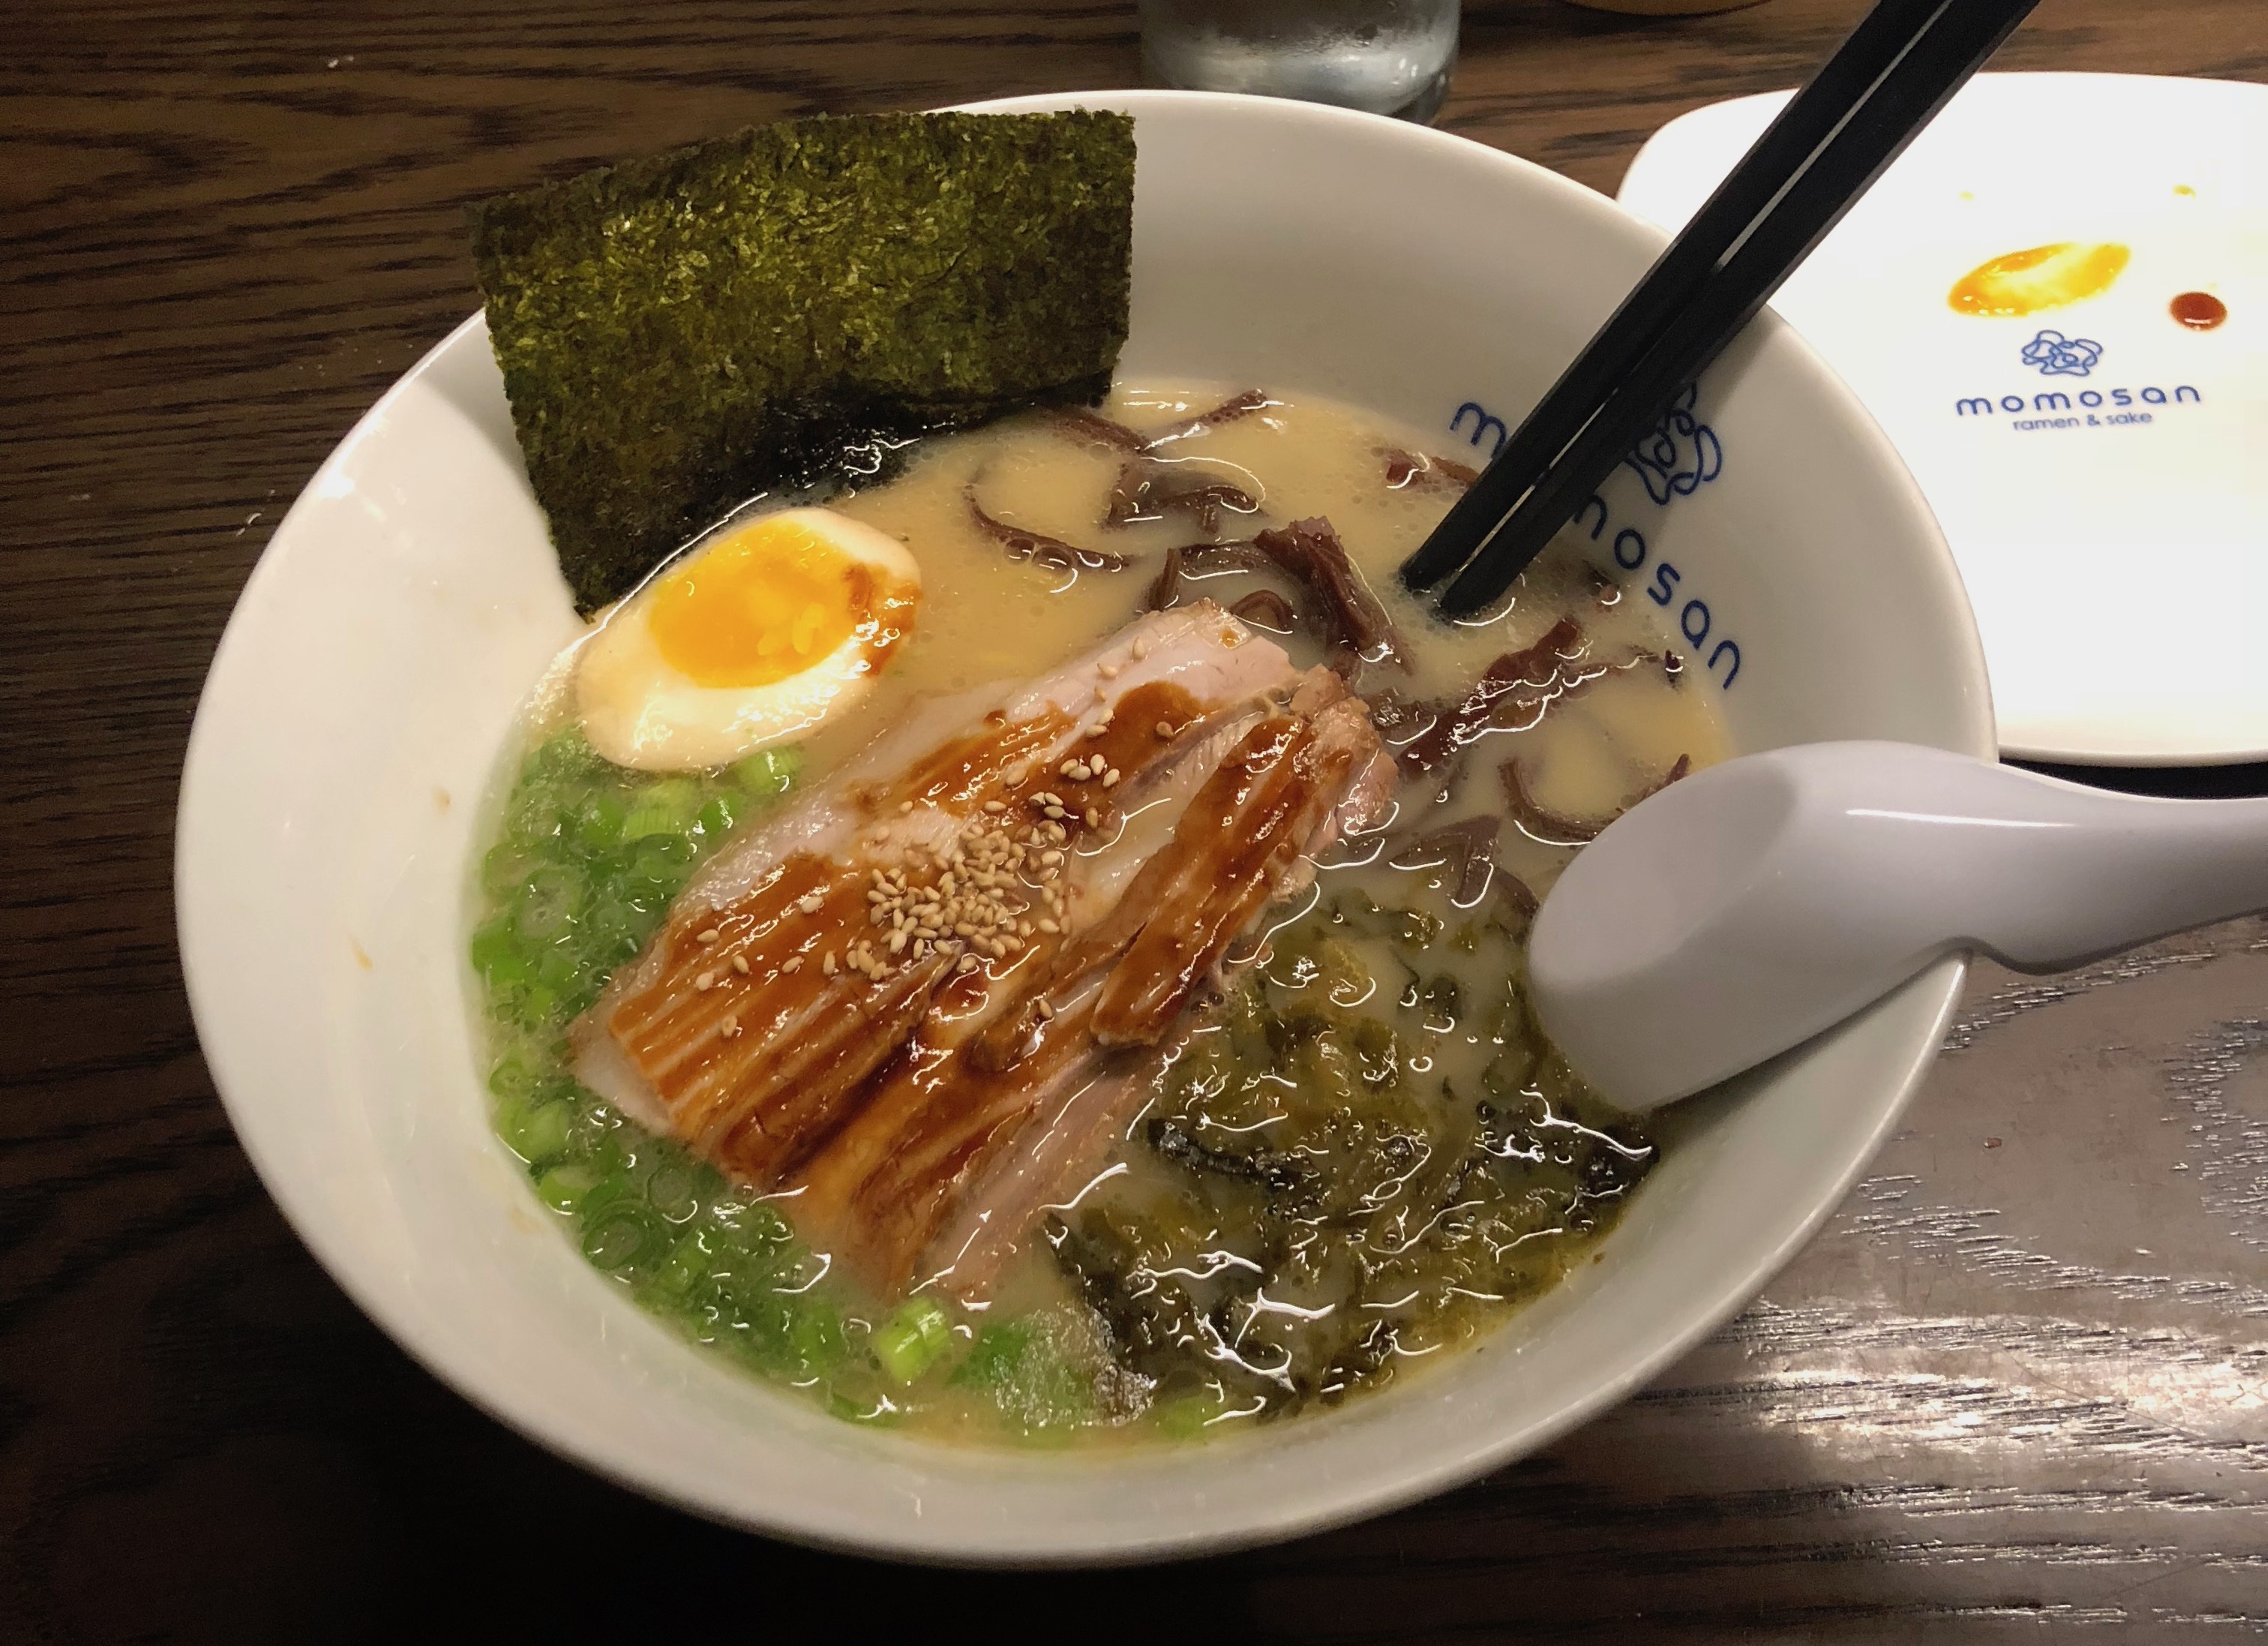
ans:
(983, 617)
(1464, 1060)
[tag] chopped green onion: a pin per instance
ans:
(536, 1133)
(768, 773)
(516, 1072)
(816, 1335)
(563, 1187)
(909, 1343)
(602, 823)
(545, 906)
(496, 954)
(666, 807)
(670, 1192)
(690, 1262)
(619, 1236)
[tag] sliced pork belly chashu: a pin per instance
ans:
(919, 1001)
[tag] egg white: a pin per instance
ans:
(640, 710)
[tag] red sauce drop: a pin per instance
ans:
(2200, 311)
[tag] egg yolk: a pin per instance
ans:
(2044, 277)
(766, 603)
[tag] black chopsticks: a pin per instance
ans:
(1887, 80)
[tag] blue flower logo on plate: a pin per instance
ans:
(2059, 356)
(1680, 454)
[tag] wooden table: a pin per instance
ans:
(2020, 1383)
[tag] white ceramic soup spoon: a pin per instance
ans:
(1740, 911)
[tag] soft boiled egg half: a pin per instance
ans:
(751, 639)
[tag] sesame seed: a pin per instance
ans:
(741, 964)
(995, 806)
(1050, 857)
(1141, 650)
(793, 964)
(1109, 671)
(708, 936)
(1098, 728)
(706, 980)
(1165, 729)
(1049, 926)
(898, 942)
(827, 963)
(1057, 813)
(1047, 1008)
(811, 903)
(1014, 776)
(904, 807)
(730, 1028)
(1093, 817)
(1110, 778)
(968, 964)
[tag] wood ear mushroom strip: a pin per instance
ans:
(1037, 547)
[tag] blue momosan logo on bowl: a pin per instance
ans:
(1676, 458)
(2059, 356)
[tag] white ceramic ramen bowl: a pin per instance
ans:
(367, 683)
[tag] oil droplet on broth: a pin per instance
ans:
(2042, 276)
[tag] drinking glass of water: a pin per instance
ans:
(1388, 56)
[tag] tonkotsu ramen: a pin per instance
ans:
(1031, 944)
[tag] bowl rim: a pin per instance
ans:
(1362, 1497)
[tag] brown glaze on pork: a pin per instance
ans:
(869, 1002)
(1092, 1009)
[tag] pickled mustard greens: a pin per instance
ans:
(1315, 1200)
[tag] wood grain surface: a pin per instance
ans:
(2019, 1387)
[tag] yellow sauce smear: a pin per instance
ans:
(2044, 276)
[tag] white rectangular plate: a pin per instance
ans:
(2098, 467)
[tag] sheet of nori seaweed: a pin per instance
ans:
(682, 333)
